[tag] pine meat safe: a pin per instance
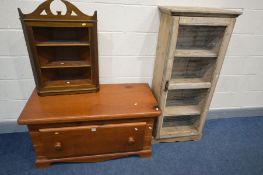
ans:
(191, 48)
(114, 122)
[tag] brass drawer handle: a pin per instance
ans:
(131, 141)
(58, 146)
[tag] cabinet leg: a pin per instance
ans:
(145, 154)
(197, 138)
(40, 164)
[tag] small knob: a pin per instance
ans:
(156, 107)
(58, 146)
(131, 141)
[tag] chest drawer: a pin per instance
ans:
(95, 139)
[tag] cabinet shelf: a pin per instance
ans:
(180, 126)
(62, 43)
(182, 110)
(65, 64)
(67, 83)
(188, 83)
(179, 131)
(195, 53)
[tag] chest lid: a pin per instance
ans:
(113, 101)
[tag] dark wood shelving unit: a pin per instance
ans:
(63, 49)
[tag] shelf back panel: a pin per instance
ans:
(66, 74)
(61, 34)
(200, 37)
(180, 121)
(186, 97)
(187, 67)
(50, 54)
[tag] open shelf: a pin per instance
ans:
(188, 83)
(61, 34)
(182, 110)
(64, 57)
(66, 77)
(179, 126)
(181, 131)
(63, 50)
(62, 43)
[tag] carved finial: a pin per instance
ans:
(43, 11)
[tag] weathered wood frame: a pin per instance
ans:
(166, 52)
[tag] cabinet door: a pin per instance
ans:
(196, 53)
(92, 140)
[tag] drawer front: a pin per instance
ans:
(96, 139)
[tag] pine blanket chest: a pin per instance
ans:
(114, 122)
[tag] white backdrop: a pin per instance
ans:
(128, 31)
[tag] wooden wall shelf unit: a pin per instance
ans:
(191, 48)
(63, 49)
(115, 122)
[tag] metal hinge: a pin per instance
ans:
(166, 86)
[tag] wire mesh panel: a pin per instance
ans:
(200, 37)
(187, 67)
(185, 97)
(180, 121)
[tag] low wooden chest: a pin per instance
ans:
(117, 121)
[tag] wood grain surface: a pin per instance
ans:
(111, 102)
(56, 39)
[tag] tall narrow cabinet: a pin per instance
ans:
(191, 48)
